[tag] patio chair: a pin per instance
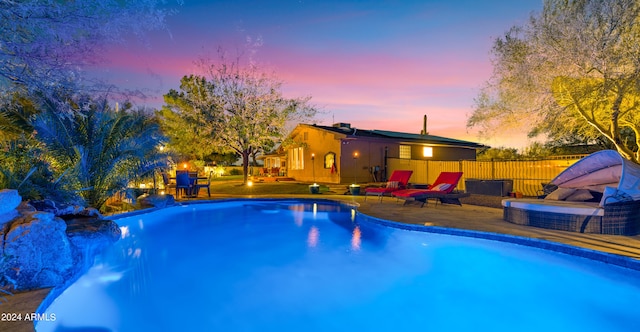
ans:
(398, 180)
(198, 186)
(183, 184)
(442, 190)
(275, 171)
(167, 181)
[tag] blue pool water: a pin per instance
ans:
(263, 265)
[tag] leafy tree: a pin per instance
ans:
(235, 108)
(184, 136)
(222, 159)
(269, 145)
(572, 71)
(564, 148)
(536, 150)
(100, 149)
(500, 153)
(45, 43)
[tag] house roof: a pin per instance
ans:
(400, 136)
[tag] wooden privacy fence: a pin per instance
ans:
(527, 176)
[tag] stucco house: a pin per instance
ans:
(343, 154)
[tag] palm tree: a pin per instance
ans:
(100, 149)
(16, 110)
(22, 166)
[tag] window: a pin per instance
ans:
(329, 159)
(427, 151)
(296, 157)
(405, 152)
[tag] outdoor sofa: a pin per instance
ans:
(598, 194)
(618, 218)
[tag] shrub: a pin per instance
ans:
(101, 149)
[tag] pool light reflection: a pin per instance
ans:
(124, 231)
(355, 238)
(313, 237)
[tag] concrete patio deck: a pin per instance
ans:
(468, 217)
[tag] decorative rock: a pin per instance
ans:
(8, 216)
(91, 212)
(64, 210)
(94, 229)
(89, 237)
(158, 201)
(38, 249)
(9, 201)
(68, 210)
(45, 205)
(25, 207)
(37, 252)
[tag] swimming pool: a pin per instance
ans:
(291, 265)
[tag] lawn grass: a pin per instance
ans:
(227, 178)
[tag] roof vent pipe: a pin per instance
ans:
(424, 126)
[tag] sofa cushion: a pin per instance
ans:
(579, 195)
(560, 194)
(578, 208)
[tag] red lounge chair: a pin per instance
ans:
(441, 189)
(397, 181)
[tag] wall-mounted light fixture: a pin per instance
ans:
(427, 151)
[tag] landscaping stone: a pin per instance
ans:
(64, 210)
(69, 210)
(159, 201)
(25, 207)
(45, 205)
(36, 251)
(90, 212)
(8, 216)
(89, 237)
(9, 201)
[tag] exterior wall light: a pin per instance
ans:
(427, 151)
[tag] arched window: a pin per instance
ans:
(329, 159)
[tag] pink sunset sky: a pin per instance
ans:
(374, 64)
